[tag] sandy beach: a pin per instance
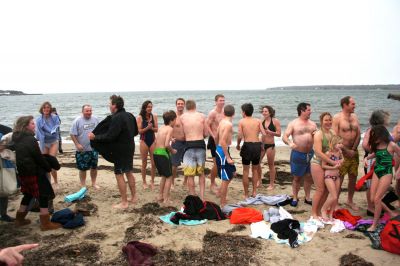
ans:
(107, 230)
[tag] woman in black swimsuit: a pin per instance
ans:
(148, 125)
(272, 127)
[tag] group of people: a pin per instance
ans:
(321, 156)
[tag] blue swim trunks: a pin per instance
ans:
(300, 162)
(86, 160)
(225, 170)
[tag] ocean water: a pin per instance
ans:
(284, 102)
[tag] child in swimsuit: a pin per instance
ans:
(162, 156)
(382, 149)
(332, 178)
(148, 125)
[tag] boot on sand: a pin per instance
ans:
(20, 219)
(45, 223)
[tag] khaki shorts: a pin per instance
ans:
(350, 166)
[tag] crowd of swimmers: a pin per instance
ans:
(321, 156)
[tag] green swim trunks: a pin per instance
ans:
(163, 162)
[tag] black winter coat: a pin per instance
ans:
(114, 136)
(30, 161)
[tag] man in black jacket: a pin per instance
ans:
(119, 140)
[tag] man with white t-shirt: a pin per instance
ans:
(86, 157)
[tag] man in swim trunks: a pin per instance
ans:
(213, 119)
(161, 155)
(178, 142)
(194, 158)
(86, 157)
(347, 126)
(249, 129)
(302, 130)
(225, 165)
(121, 132)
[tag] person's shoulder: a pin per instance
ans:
(337, 115)
(312, 123)
(77, 119)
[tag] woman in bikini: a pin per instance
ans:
(148, 125)
(382, 149)
(47, 127)
(321, 145)
(272, 128)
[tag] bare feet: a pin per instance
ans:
(352, 206)
(152, 186)
(372, 228)
(270, 187)
(121, 206)
(214, 188)
(145, 186)
(132, 200)
(96, 187)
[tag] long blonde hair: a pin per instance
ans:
(334, 141)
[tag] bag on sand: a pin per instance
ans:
(390, 236)
(8, 179)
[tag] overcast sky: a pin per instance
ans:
(81, 46)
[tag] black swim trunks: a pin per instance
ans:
(267, 146)
(211, 146)
(250, 153)
(162, 161)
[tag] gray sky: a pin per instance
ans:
(81, 46)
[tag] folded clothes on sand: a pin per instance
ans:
(262, 199)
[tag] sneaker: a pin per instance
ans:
(294, 203)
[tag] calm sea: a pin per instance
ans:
(284, 101)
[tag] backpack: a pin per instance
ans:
(390, 236)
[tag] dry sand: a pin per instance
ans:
(107, 230)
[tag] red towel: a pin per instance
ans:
(363, 179)
(345, 216)
(245, 216)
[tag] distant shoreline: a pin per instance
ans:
(15, 93)
(338, 87)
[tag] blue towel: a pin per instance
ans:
(76, 196)
(166, 219)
